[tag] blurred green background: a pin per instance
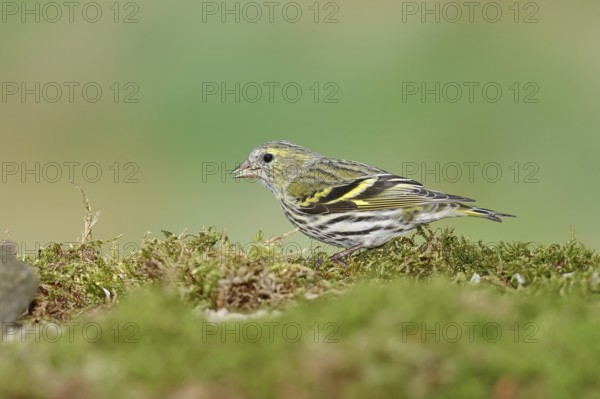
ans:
(172, 141)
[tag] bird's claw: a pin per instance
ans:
(334, 259)
(338, 260)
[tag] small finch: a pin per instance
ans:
(345, 203)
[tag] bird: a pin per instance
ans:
(349, 204)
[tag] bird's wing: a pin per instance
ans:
(365, 193)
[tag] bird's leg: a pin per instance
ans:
(342, 254)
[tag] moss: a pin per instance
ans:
(211, 272)
(74, 278)
(386, 325)
(408, 339)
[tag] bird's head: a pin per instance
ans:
(275, 163)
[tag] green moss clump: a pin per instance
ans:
(378, 327)
(77, 277)
(409, 339)
(572, 267)
(211, 272)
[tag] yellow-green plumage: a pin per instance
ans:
(347, 203)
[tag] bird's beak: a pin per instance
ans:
(246, 169)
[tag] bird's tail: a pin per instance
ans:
(467, 210)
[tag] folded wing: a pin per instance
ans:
(367, 193)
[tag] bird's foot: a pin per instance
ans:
(338, 258)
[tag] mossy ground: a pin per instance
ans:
(429, 315)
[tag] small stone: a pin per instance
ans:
(18, 284)
(520, 279)
(475, 279)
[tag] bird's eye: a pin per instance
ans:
(268, 158)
